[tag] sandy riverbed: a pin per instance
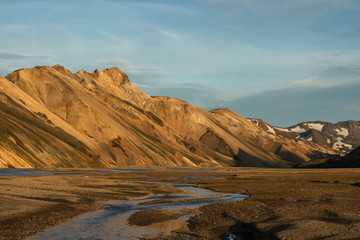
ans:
(283, 203)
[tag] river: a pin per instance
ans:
(111, 222)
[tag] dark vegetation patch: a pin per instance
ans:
(145, 152)
(195, 160)
(148, 136)
(44, 117)
(156, 150)
(319, 181)
(112, 155)
(224, 160)
(130, 104)
(222, 127)
(154, 118)
(252, 145)
(22, 115)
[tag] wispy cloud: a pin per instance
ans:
(140, 70)
(353, 107)
(330, 77)
(17, 55)
(311, 82)
(131, 68)
(171, 34)
(198, 94)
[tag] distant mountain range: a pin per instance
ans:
(342, 137)
(51, 117)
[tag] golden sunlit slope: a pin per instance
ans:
(29, 139)
(291, 150)
(126, 127)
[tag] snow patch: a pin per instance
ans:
(282, 129)
(310, 139)
(342, 131)
(143, 103)
(255, 121)
(270, 129)
(339, 144)
(297, 129)
(328, 141)
(316, 126)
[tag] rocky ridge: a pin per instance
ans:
(62, 119)
(342, 137)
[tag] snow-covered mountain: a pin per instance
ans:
(342, 136)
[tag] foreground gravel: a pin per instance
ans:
(283, 203)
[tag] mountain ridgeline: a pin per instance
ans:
(51, 117)
(342, 137)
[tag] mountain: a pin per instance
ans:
(30, 139)
(351, 160)
(341, 137)
(100, 119)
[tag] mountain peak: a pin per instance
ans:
(113, 69)
(116, 75)
(61, 69)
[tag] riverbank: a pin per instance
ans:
(283, 203)
(29, 204)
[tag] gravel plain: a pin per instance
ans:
(282, 203)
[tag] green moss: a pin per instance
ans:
(195, 160)
(148, 136)
(156, 150)
(132, 105)
(224, 160)
(146, 153)
(112, 155)
(25, 116)
(154, 118)
(222, 127)
(19, 147)
(256, 146)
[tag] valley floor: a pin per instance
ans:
(283, 203)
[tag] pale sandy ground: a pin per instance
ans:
(283, 203)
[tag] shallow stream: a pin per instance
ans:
(111, 222)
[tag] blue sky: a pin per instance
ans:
(264, 59)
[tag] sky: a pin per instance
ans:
(284, 61)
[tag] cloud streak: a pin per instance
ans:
(330, 77)
(130, 68)
(289, 106)
(354, 107)
(18, 56)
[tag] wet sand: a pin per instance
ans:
(283, 203)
